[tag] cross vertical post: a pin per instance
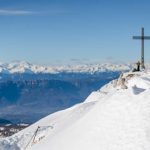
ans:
(142, 49)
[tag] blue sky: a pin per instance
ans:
(58, 31)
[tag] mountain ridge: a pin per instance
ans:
(115, 117)
(25, 67)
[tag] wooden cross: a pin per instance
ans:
(142, 38)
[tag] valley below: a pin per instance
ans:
(26, 99)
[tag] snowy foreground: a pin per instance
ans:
(117, 117)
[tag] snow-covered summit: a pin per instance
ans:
(25, 67)
(117, 117)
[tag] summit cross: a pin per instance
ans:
(142, 38)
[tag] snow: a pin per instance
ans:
(25, 67)
(112, 118)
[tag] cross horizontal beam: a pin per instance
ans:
(141, 37)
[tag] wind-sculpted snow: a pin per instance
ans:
(116, 117)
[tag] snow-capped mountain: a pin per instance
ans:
(116, 117)
(25, 67)
(40, 90)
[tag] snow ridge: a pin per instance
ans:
(116, 117)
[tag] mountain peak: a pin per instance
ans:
(26, 67)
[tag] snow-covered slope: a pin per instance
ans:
(25, 67)
(117, 117)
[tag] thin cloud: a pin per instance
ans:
(15, 12)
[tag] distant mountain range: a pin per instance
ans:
(25, 67)
(29, 92)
